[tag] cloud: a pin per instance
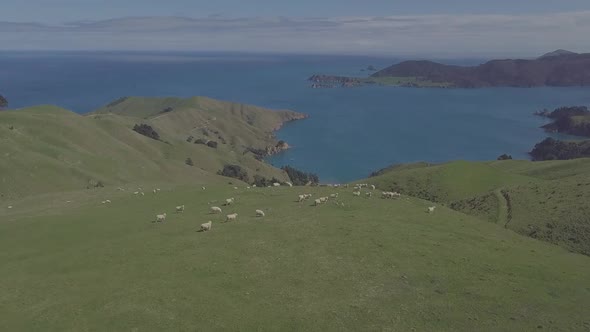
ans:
(432, 35)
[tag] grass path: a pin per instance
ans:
(502, 208)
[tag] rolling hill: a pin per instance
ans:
(543, 200)
(559, 68)
(70, 262)
(49, 149)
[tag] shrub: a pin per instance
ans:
(3, 102)
(167, 109)
(505, 157)
(299, 178)
(234, 171)
(189, 162)
(212, 144)
(147, 131)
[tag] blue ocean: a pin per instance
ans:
(350, 132)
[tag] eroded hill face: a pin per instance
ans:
(48, 149)
(543, 200)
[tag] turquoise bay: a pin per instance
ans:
(350, 132)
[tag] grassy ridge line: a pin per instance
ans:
(547, 198)
(48, 149)
(372, 264)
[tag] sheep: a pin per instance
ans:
(260, 213)
(317, 202)
(229, 201)
(334, 195)
(276, 184)
(357, 193)
(142, 194)
(373, 187)
(180, 208)
(10, 207)
(248, 187)
(302, 198)
(155, 191)
(324, 199)
(389, 194)
(161, 217)
(136, 193)
(204, 188)
(289, 184)
(235, 188)
(215, 209)
(253, 186)
(120, 189)
(369, 194)
(206, 226)
(431, 209)
(158, 189)
(231, 217)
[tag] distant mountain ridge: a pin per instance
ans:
(559, 68)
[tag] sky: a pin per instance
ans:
(370, 27)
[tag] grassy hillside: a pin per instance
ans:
(48, 149)
(371, 264)
(544, 200)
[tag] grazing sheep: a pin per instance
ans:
(229, 201)
(215, 209)
(204, 188)
(136, 193)
(248, 187)
(108, 201)
(260, 213)
(155, 191)
(253, 186)
(231, 217)
(334, 195)
(389, 194)
(369, 194)
(142, 194)
(158, 189)
(206, 226)
(235, 188)
(289, 184)
(324, 199)
(276, 184)
(180, 208)
(373, 187)
(317, 202)
(431, 209)
(161, 217)
(10, 207)
(302, 198)
(357, 193)
(120, 189)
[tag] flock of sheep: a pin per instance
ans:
(357, 192)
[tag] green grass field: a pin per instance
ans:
(548, 200)
(507, 248)
(371, 265)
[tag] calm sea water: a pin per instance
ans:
(350, 133)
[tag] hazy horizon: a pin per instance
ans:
(424, 28)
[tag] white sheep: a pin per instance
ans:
(235, 188)
(276, 184)
(431, 209)
(158, 189)
(231, 217)
(334, 195)
(215, 209)
(180, 208)
(373, 187)
(142, 194)
(357, 193)
(204, 188)
(161, 217)
(10, 207)
(229, 201)
(253, 186)
(155, 191)
(369, 194)
(302, 198)
(206, 226)
(317, 202)
(260, 213)
(136, 193)
(324, 199)
(289, 184)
